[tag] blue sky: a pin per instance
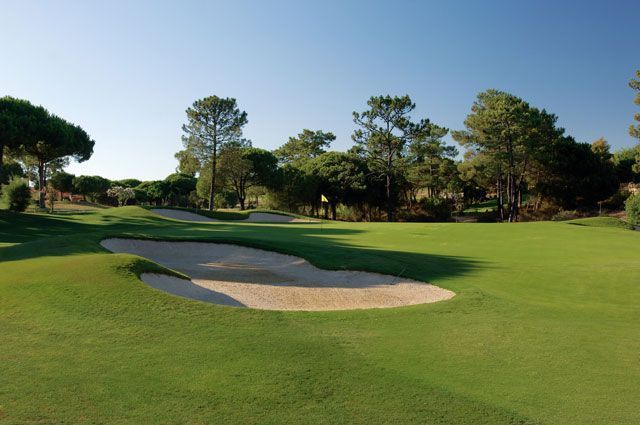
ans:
(126, 71)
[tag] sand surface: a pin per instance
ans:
(247, 277)
(253, 217)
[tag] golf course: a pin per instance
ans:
(320, 213)
(543, 327)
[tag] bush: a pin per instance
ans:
(16, 195)
(225, 199)
(632, 207)
(616, 202)
(438, 209)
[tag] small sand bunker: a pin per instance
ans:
(253, 217)
(246, 277)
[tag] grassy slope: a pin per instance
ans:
(543, 330)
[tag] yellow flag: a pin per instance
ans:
(323, 199)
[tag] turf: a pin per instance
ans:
(544, 327)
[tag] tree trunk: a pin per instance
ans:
(389, 202)
(333, 211)
(214, 158)
(512, 200)
(41, 183)
(1, 162)
(500, 198)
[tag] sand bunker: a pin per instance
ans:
(246, 277)
(253, 217)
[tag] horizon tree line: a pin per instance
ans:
(399, 165)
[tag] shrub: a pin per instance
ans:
(122, 194)
(632, 207)
(438, 209)
(16, 195)
(225, 199)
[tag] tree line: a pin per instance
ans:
(515, 153)
(398, 168)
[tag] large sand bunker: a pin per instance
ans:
(246, 277)
(253, 217)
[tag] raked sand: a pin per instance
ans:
(247, 277)
(253, 217)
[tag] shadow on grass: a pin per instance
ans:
(42, 235)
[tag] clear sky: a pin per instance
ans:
(126, 71)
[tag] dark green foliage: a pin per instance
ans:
(436, 209)
(624, 162)
(154, 191)
(62, 181)
(16, 195)
(508, 137)
(385, 129)
(226, 198)
(178, 187)
(341, 177)
(127, 182)
(632, 208)
(295, 188)
(212, 122)
(92, 187)
(306, 145)
(242, 168)
(576, 177)
(9, 170)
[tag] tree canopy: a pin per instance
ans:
(212, 122)
(385, 129)
(306, 145)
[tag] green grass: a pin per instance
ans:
(544, 328)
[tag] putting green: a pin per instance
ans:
(543, 329)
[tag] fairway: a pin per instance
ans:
(543, 327)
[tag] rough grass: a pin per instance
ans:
(544, 328)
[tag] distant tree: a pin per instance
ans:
(634, 130)
(17, 121)
(155, 191)
(122, 194)
(212, 122)
(179, 186)
(127, 182)
(624, 161)
(341, 177)
(245, 167)
(632, 208)
(188, 163)
(62, 182)
(53, 139)
(295, 188)
(510, 135)
(385, 129)
(602, 148)
(16, 195)
(575, 176)
(429, 162)
(306, 145)
(91, 186)
(11, 169)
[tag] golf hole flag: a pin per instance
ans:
(323, 199)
